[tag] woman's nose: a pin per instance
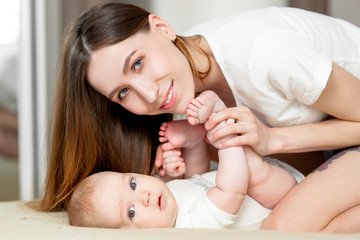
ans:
(148, 90)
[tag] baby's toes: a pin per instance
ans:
(201, 101)
(164, 126)
(163, 139)
(192, 120)
(191, 113)
(167, 146)
(196, 103)
(162, 133)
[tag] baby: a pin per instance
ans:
(211, 200)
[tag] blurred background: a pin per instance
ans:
(30, 39)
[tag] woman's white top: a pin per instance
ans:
(277, 61)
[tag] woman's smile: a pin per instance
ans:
(170, 97)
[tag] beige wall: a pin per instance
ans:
(182, 14)
(345, 9)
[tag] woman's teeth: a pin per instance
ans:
(169, 96)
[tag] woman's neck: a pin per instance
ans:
(215, 80)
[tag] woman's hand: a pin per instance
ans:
(248, 128)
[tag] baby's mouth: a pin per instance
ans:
(161, 202)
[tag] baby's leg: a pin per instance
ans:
(268, 183)
(180, 134)
(200, 108)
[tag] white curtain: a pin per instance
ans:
(39, 38)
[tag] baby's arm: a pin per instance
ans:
(173, 165)
(268, 184)
(231, 180)
(232, 176)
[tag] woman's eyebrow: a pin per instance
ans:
(112, 93)
(126, 66)
(127, 61)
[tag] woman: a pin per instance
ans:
(286, 75)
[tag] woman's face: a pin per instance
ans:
(146, 73)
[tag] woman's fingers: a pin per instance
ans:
(248, 130)
(236, 141)
(237, 128)
(241, 113)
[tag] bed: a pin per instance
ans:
(18, 221)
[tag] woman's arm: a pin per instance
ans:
(341, 96)
(340, 99)
(326, 200)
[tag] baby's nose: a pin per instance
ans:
(146, 199)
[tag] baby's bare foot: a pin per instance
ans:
(201, 108)
(179, 134)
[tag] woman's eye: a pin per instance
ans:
(123, 93)
(131, 212)
(133, 184)
(138, 64)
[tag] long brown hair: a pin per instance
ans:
(89, 132)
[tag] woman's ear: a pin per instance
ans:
(161, 25)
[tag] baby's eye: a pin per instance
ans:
(123, 93)
(133, 184)
(138, 64)
(131, 212)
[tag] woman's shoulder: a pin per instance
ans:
(234, 36)
(239, 18)
(260, 16)
(261, 19)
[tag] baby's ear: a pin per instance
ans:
(161, 25)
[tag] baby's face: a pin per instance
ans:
(129, 200)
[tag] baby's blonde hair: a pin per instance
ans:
(81, 204)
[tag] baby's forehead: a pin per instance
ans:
(107, 188)
(107, 175)
(98, 182)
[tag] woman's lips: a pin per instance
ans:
(170, 99)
